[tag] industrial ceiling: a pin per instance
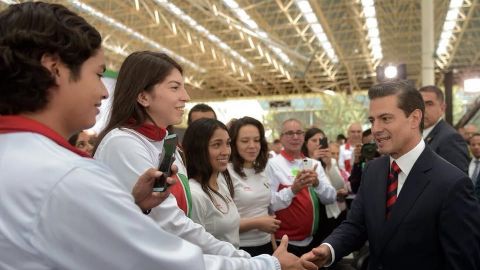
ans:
(247, 48)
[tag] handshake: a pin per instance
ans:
(312, 260)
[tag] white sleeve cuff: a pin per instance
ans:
(272, 261)
(332, 252)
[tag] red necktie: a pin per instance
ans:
(392, 185)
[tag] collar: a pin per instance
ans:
(16, 123)
(289, 157)
(407, 161)
(150, 131)
(427, 131)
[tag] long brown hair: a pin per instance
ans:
(237, 161)
(197, 159)
(140, 71)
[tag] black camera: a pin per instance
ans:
(369, 152)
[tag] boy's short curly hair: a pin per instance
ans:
(27, 32)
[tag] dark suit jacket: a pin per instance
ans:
(449, 144)
(434, 224)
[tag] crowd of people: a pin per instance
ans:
(232, 201)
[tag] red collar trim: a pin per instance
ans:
(16, 123)
(289, 157)
(150, 131)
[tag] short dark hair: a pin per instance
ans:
(237, 161)
(140, 71)
(309, 134)
(276, 141)
(435, 90)
(408, 98)
(27, 32)
(366, 133)
(197, 159)
(200, 107)
(474, 135)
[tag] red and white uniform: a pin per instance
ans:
(298, 212)
(62, 211)
(346, 157)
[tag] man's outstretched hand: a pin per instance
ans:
(320, 255)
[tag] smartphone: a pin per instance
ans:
(166, 160)
(307, 164)
(323, 143)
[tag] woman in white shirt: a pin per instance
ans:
(252, 190)
(150, 95)
(207, 150)
(331, 215)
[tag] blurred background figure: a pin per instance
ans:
(368, 151)
(331, 215)
(341, 139)
(84, 141)
(474, 167)
(200, 110)
(275, 148)
(467, 131)
(346, 155)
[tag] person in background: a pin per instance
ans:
(83, 141)
(275, 148)
(346, 155)
(330, 215)
(341, 139)
(207, 151)
(252, 188)
(474, 166)
(365, 153)
(297, 183)
(416, 210)
(334, 150)
(442, 138)
(467, 131)
(200, 110)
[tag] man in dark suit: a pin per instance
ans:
(442, 138)
(422, 214)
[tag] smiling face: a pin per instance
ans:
(219, 150)
(394, 132)
(78, 101)
(292, 137)
(248, 144)
(166, 102)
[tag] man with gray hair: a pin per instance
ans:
(295, 182)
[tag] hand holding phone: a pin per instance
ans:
(323, 143)
(166, 161)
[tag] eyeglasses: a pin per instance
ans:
(291, 133)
